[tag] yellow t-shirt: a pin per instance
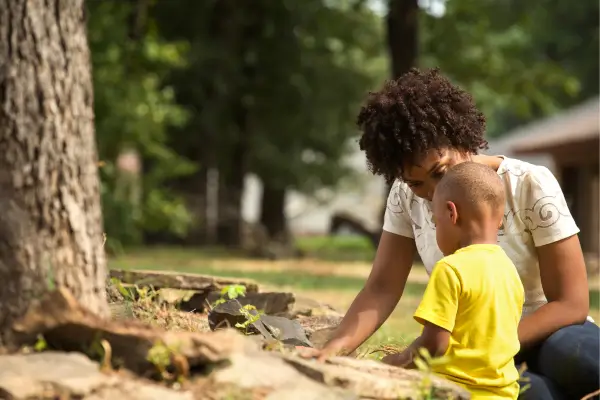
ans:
(477, 296)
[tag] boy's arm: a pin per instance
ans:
(434, 339)
(437, 314)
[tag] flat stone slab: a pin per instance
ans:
(160, 280)
(271, 327)
(71, 375)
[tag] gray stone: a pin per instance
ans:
(266, 370)
(319, 328)
(375, 380)
(271, 303)
(71, 375)
(304, 306)
(271, 327)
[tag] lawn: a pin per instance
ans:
(333, 282)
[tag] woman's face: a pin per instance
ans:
(423, 176)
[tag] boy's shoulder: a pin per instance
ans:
(476, 256)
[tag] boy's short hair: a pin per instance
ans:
(474, 184)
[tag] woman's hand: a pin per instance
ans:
(402, 359)
(331, 349)
(382, 291)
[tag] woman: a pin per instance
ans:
(414, 130)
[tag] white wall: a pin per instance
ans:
(362, 198)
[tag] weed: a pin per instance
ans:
(232, 292)
(251, 314)
(524, 379)
(40, 344)
(162, 357)
(424, 363)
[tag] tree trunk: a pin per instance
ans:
(403, 45)
(51, 220)
(272, 212)
(402, 35)
(241, 29)
(231, 188)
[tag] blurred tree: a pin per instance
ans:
(495, 50)
(133, 111)
(51, 225)
(566, 34)
(272, 88)
(329, 57)
(403, 46)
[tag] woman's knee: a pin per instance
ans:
(575, 344)
(569, 357)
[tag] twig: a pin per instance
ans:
(589, 396)
(107, 359)
(181, 365)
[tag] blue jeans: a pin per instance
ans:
(564, 366)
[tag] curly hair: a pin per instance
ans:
(413, 114)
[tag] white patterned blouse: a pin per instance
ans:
(536, 214)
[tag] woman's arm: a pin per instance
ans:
(380, 295)
(564, 280)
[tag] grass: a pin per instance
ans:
(294, 279)
(336, 283)
(336, 248)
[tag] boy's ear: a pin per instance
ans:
(451, 208)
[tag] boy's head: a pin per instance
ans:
(468, 206)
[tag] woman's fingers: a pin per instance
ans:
(308, 352)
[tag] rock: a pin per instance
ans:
(307, 307)
(319, 328)
(271, 303)
(370, 379)
(53, 375)
(159, 280)
(282, 382)
(67, 326)
(319, 323)
(271, 327)
(286, 331)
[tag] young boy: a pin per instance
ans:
(472, 305)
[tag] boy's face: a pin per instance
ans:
(446, 218)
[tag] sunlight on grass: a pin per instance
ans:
(337, 248)
(337, 290)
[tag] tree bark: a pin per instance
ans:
(241, 29)
(403, 45)
(51, 220)
(272, 212)
(402, 35)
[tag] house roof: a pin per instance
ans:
(576, 124)
(529, 141)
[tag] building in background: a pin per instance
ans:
(568, 144)
(360, 197)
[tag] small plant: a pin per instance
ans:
(40, 344)
(249, 311)
(527, 380)
(230, 292)
(144, 294)
(424, 361)
(251, 314)
(162, 357)
(125, 292)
